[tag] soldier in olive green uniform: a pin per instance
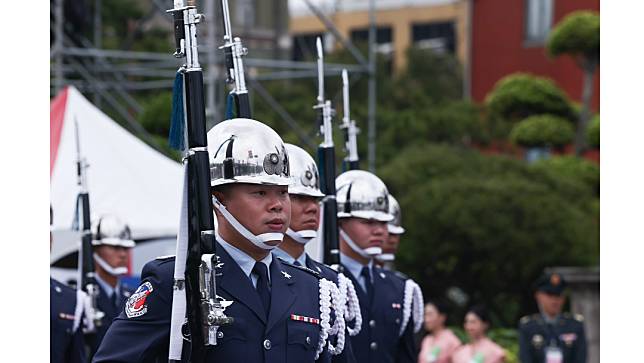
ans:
(551, 336)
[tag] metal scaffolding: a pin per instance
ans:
(112, 77)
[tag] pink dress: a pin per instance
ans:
(438, 348)
(483, 351)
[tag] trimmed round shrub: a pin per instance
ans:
(520, 95)
(542, 131)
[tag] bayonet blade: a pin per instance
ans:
(345, 96)
(318, 44)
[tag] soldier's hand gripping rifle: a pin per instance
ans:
(351, 161)
(326, 162)
(93, 316)
(195, 291)
(233, 53)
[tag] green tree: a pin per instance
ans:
(487, 224)
(520, 95)
(572, 168)
(577, 35)
(592, 133)
(542, 131)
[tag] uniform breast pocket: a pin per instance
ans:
(303, 341)
(232, 341)
(393, 317)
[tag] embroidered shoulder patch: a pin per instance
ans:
(135, 305)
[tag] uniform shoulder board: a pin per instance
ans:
(302, 268)
(401, 275)
(166, 257)
(525, 320)
(577, 317)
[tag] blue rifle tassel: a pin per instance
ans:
(177, 139)
(230, 103)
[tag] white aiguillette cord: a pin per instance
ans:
(179, 291)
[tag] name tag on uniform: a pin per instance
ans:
(305, 319)
(554, 355)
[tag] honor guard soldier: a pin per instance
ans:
(111, 241)
(413, 305)
(66, 344)
(363, 214)
(276, 306)
(305, 197)
(551, 336)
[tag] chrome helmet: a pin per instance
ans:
(395, 226)
(305, 178)
(247, 151)
(110, 230)
(362, 194)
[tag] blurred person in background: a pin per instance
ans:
(66, 344)
(480, 348)
(441, 343)
(551, 336)
(112, 241)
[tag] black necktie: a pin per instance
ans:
(115, 301)
(261, 271)
(367, 281)
(297, 263)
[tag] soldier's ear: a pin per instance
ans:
(222, 194)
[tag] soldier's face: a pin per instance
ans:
(365, 232)
(115, 256)
(474, 326)
(391, 244)
(260, 208)
(305, 212)
(550, 304)
(433, 319)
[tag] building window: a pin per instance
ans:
(538, 19)
(384, 43)
(304, 47)
(437, 36)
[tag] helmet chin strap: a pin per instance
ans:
(369, 252)
(114, 271)
(258, 240)
(386, 257)
(304, 236)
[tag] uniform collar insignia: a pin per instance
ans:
(286, 274)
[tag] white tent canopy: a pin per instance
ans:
(125, 177)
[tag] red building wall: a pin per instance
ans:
(498, 48)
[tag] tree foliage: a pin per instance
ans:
(487, 224)
(542, 131)
(520, 95)
(572, 168)
(593, 132)
(576, 35)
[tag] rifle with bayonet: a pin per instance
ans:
(93, 316)
(233, 53)
(351, 160)
(326, 162)
(204, 309)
